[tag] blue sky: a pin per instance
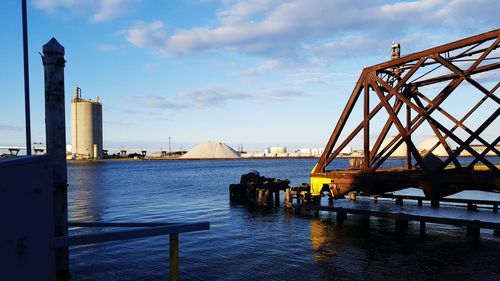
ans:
(256, 72)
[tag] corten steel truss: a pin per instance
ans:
(398, 83)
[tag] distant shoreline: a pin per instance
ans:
(214, 159)
(191, 159)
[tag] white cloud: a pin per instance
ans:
(97, 10)
(213, 96)
(486, 77)
(348, 45)
(119, 123)
(267, 66)
(147, 35)
(316, 76)
(216, 95)
(10, 128)
(106, 48)
(53, 5)
(108, 9)
(241, 10)
(282, 94)
(408, 8)
(154, 101)
(277, 28)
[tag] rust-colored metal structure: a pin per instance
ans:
(417, 93)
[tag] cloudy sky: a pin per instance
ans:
(253, 72)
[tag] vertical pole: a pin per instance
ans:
(261, 194)
(434, 203)
(169, 152)
(267, 197)
(174, 257)
(422, 228)
(366, 112)
(473, 233)
(408, 125)
(276, 196)
(55, 131)
(341, 216)
(401, 226)
(26, 78)
(288, 197)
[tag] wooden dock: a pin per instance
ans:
(463, 215)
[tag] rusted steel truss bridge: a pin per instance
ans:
(418, 94)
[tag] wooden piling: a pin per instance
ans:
(435, 203)
(473, 233)
(260, 196)
(307, 197)
(268, 199)
(276, 197)
(471, 206)
(288, 196)
(297, 209)
(401, 226)
(341, 216)
(235, 192)
(352, 196)
(422, 228)
(399, 201)
(174, 257)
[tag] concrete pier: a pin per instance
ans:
(472, 219)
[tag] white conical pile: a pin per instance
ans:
(211, 150)
(429, 143)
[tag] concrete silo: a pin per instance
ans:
(86, 127)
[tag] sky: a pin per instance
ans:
(256, 73)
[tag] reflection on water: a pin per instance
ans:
(88, 200)
(369, 249)
(322, 236)
(251, 243)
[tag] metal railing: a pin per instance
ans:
(139, 230)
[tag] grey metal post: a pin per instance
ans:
(26, 79)
(55, 131)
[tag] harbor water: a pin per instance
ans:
(246, 243)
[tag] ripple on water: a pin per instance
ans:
(247, 243)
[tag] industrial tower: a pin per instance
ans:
(86, 127)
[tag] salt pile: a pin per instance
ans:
(211, 150)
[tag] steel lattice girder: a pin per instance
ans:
(391, 80)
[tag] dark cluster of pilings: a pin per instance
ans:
(258, 190)
(301, 193)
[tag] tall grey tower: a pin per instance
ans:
(86, 127)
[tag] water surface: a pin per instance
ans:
(250, 243)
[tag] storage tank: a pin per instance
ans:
(86, 127)
(277, 150)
